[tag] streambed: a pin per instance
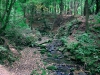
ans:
(61, 65)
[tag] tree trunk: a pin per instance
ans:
(87, 15)
(68, 10)
(97, 6)
(14, 14)
(71, 7)
(6, 15)
(0, 8)
(85, 8)
(32, 12)
(74, 7)
(81, 8)
(55, 7)
(61, 7)
(66, 7)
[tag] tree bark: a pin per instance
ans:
(97, 6)
(6, 15)
(74, 7)
(81, 8)
(55, 7)
(61, 7)
(87, 15)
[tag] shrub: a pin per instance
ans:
(6, 56)
(83, 49)
(22, 36)
(97, 18)
(87, 51)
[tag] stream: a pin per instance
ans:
(64, 65)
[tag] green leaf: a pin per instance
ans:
(52, 68)
(43, 72)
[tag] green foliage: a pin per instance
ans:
(85, 39)
(86, 51)
(18, 38)
(52, 68)
(87, 45)
(34, 72)
(20, 33)
(41, 46)
(67, 29)
(6, 56)
(97, 29)
(97, 18)
(72, 45)
(49, 54)
(83, 48)
(63, 39)
(43, 72)
(43, 51)
(2, 49)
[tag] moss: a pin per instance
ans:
(51, 68)
(49, 54)
(43, 51)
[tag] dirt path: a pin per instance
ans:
(5, 71)
(30, 60)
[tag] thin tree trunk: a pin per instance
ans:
(2, 17)
(97, 6)
(14, 14)
(85, 8)
(71, 7)
(6, 14)
(87, 15)
(68, 10)
(74, 7)
(65, 6)
(61, 7)
(54, 7)
(81, 8)
(0, 8)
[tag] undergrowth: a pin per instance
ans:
(84, 50)
(97, 18)
(84, 46)
(6, 56)
(18, 35)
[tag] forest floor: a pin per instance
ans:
(31, 59)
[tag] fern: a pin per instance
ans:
(2, 49)
(6, 55)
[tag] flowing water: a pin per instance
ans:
(63, 65)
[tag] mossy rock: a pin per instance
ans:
(43, 51)
(34, 72)
(51, 68)
(49, 54)
(72, 45)
(61, 49)
(41, 46)
(43, 72)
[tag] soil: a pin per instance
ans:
(29, 61)
(4, 71)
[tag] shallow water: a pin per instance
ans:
(63, 65)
